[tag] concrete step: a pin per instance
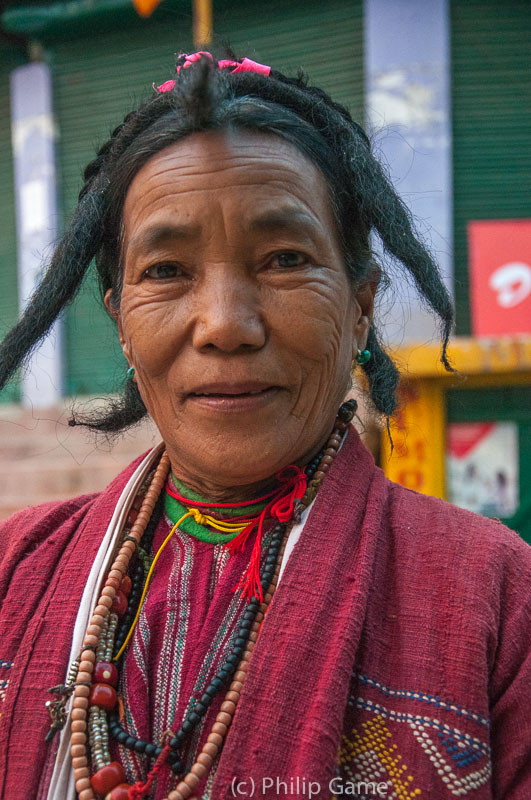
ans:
(42, 459)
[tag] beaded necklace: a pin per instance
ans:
(93, 677)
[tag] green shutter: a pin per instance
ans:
(8, 240)
(98, 80)
(491, 108)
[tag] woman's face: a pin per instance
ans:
(236, 310)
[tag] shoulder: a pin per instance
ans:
(445, 528)
(474, 563)
(45, 516)
(47, 528)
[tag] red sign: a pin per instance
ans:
(500, 276)
(463, 437)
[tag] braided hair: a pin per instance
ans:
(203, 98)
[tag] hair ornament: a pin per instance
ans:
(245, 65)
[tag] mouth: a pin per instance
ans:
(232, 396)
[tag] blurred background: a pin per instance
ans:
(442, 87)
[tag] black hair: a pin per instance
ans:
(203, 98)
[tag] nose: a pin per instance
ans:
(229, 316)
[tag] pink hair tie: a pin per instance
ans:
(246, 65)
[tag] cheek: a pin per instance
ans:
(317, 327)
(153, 333)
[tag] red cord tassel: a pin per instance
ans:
(139, 789)
(282, 508)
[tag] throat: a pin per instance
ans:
(227, 504)
(215, 495)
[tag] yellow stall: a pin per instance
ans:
(466, 437)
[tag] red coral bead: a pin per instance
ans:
(126, 585)
(105, 673)
(120, 792)
(108, 777)
(119, 603)
(103, 696)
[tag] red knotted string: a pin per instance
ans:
(280, 507)
(139, 789)
(202, 504)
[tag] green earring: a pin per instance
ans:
(363, 356)
(130, 373)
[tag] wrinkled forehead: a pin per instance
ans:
(242, 170)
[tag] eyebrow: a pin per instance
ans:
(161, 235)
(287, 219)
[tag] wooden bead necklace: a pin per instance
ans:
(94, 692)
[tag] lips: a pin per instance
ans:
(240, 397)
(222, 389)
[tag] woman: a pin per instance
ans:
(252, 609)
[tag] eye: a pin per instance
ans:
(289, 259)
(162, 271)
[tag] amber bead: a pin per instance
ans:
(103, 696)
(183, 790)
(120, 792)
(214, 738)
(108, 777)
(119, 604)
(199, 770)
(105, 673)
(219, 727)
(126, 585)
(191, 780)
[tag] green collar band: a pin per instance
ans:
(175, 510)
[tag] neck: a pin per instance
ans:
(246, 492)
(223, 494)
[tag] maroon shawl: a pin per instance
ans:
(399, 635)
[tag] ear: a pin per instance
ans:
(364, 300)
(117, 318)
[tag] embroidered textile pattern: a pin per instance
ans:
(423, 697)
(369, 759)
(377, 749)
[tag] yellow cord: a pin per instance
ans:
(150, 573)
(225, 527)
(218, 524)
